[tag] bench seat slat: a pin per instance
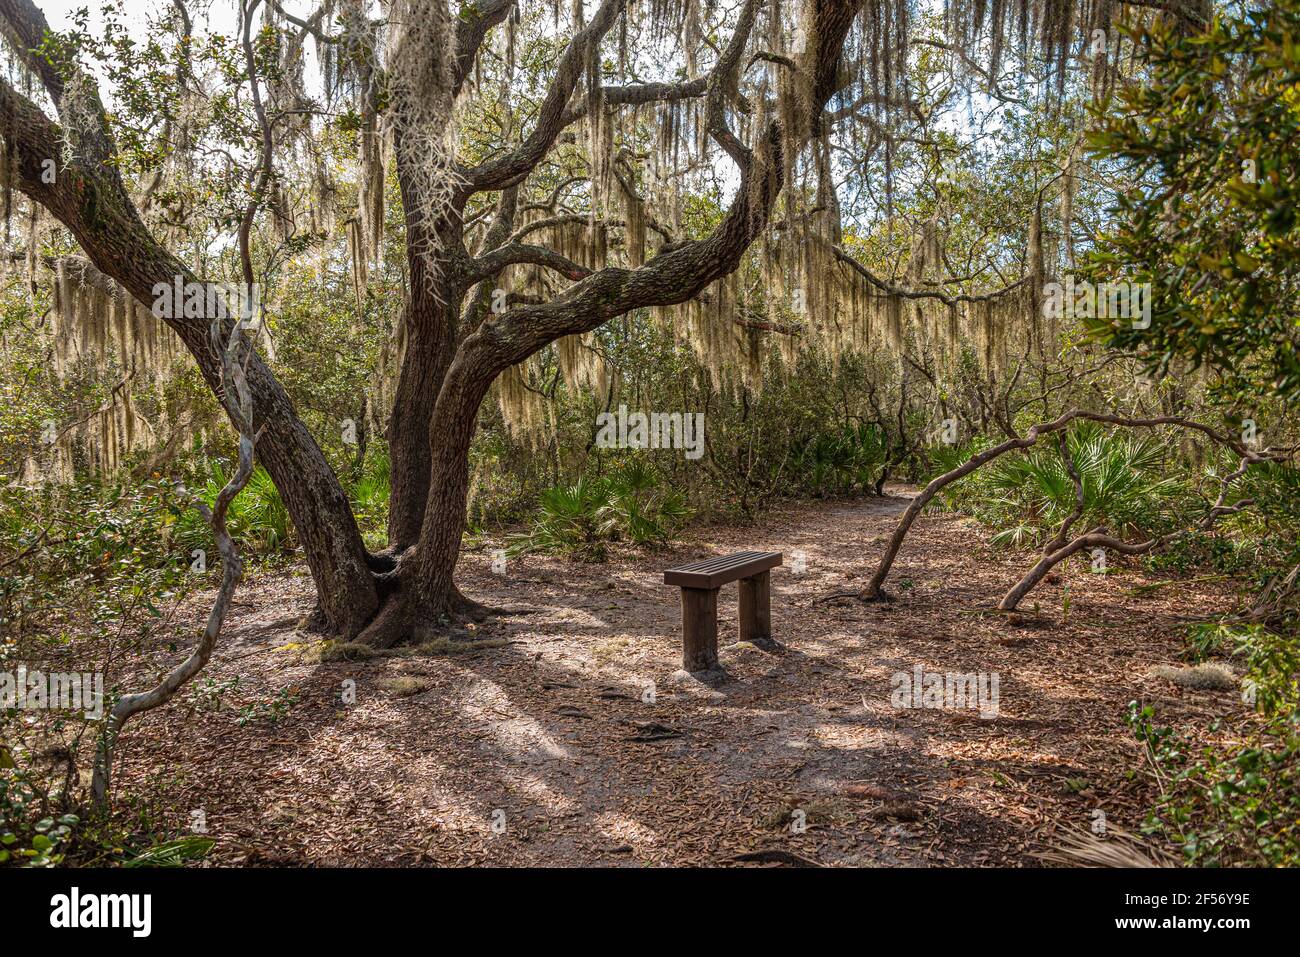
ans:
(718, 571)
(721, 563)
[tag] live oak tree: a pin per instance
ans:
(531, 218)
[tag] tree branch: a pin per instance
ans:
(507, 167)
(473, 21)
(874, 588)
(234, 359)
(493, 261)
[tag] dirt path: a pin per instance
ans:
(552, 729)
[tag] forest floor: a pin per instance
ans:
(546, 730)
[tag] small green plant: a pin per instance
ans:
(269, 711)
(258, 518)
(1124, 488)
(369, 494)
(175, 853)
(1125, 480)
(44, 846)
(210, 693)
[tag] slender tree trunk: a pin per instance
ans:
(312, 494)
(241, 412)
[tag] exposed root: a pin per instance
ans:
(470, 610)
(401, 621)
(315, 623)
(859, 595)
(352, 651)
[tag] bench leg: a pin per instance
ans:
(755, 607)
(699, 628)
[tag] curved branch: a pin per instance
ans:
(679, 272)
(1101, 538)
(508, 167)
(874, 589)
(493, 261)
(635, 94)
(723, 80)
(234, 357)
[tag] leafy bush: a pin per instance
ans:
(1125, 480)
(28, 837)
(1211, 133)
(110, 550)
(839, 462)
(965, 494)
(1121, 476)
(258, 519)
(583, 518)
(369, 496)
(1238, 803)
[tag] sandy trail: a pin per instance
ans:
(801, 756)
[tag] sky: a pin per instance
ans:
(223, 13)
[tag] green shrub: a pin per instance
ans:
(1236, 803)
(1123, 478)
(112, 550)
(581, 519)
(1126, 480)
(839, 462)
(369, 497)
(258, 519)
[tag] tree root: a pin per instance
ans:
(401, 620)
(855, 595)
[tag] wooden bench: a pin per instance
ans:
(700, 582)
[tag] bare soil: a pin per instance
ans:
(800, 757)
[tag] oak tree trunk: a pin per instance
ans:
(431, 320)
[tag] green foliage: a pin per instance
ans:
(841, 461)
(258, 520)
(369, 496)
(113, 549)
(1233, 806)
(208, 694)
(269, 711)
(174, 853)
(965, 494)
(570, 521)
(27, 837)
(1211, 138)
(34, 835)
(1236, 800)
(1128, 485)
(582, 519)
(1123, 478)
